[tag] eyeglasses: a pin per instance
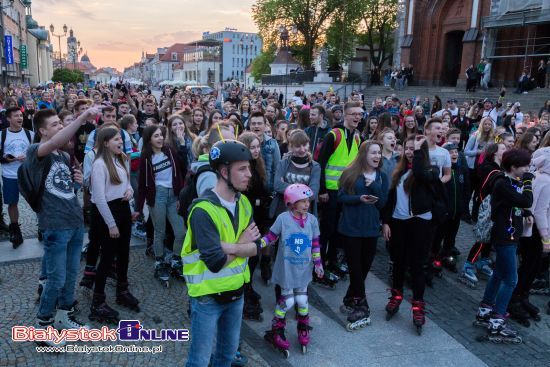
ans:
(357, 114)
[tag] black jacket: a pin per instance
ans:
(457, 188)
(510, 201)
(421, 197)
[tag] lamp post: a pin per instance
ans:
(244, 43)
(59, 36)
(4, 65)
(75, 52)
(283, 31)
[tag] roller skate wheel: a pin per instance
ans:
(350, 327)
(304, 349)
(286, 353)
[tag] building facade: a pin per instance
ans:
(237, 51)
(442, 38)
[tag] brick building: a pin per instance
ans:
(442, 38)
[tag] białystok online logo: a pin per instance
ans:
(128, 330)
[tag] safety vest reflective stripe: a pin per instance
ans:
(335, 168)
(200, 280)
(208, 275)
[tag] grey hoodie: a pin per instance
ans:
(206, 181)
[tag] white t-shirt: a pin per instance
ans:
(441, 158)
(402, 209)
(229, 205)
(16, 144)
(493, 114)
(162, 169)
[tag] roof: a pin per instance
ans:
(85, 58)
(178, 48)
(283, 58)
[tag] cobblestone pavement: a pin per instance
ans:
(450, 305)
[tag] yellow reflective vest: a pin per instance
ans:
(341, 158)
(200, 280)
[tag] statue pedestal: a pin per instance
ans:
(322, 77)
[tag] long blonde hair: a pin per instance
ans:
(104, 135)
(483, 136)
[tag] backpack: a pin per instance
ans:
(3, 142)
(337, 139)
(189, 192)
(31, 190)
(482, 228)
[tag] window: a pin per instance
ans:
(174, 56)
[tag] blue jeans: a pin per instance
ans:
(62, 250)
(505, 277)
(211, 320)
(166, 207)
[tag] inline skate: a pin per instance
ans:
(468, 275)
(41, 284)
(484, 269)
(276, 336)
(303, 331)
(325, 281)
(347, 306)
(125, 298)
(177, 267)
(162, 272)
(394, 302)
(360, 316)
(518, 313)
(89, 277)
(101, 312)
(419, 318)
(541, 285)
(64, 319)
(499, 332)
(483, 315)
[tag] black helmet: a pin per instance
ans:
(227, 152)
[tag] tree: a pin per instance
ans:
(378, 21)
(311, 18)
(65, 75)
(260, 65)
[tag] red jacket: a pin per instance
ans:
(147, 190)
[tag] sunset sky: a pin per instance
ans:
(115, 32)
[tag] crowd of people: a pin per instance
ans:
(217, 184)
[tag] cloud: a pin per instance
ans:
(168, 39)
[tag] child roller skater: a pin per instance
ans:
(292, 271)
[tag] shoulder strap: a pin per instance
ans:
(28, 133)
(337, 137)
(485, 182)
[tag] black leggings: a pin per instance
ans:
(409, 247)
(445, 232)
(330, 238)
(111, 247)
(360, 253)
(530, 251)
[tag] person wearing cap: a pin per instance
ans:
(221, 236)
(490, 111)
(337, 113)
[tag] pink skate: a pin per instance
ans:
(303, 332)
(276, 336)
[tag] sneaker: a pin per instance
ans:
(43, 324)
(137, 232)
(16, 238)
(64, 319)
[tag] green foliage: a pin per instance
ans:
(311, 18)
(260, 65)
(65, 75)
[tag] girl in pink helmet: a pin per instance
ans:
(298, 233)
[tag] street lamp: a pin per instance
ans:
(283, 31)
(59, 36)
(244, 43)
(76, 51)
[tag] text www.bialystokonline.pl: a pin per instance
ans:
(101, 349)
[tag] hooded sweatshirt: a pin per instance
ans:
(207, 179)
(541, 190)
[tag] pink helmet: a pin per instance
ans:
(297, 192)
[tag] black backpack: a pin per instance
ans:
(3, 142)
(189, 192)
(31, 190)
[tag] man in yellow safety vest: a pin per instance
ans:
(221, 236)
(339, 149)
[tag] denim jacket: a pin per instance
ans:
(272, 157)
